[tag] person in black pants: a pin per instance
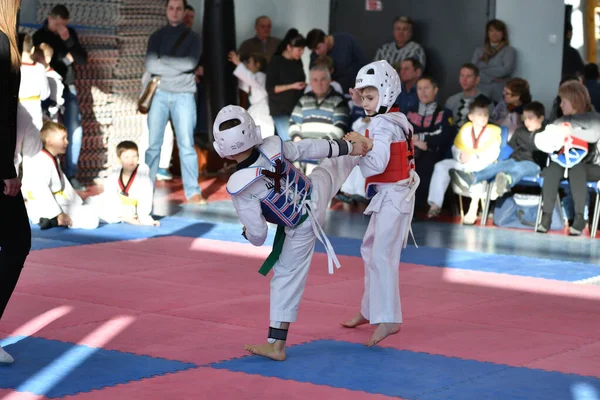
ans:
(577, 109)
(15, 234)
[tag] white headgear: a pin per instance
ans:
(239, 138)
(381, 75)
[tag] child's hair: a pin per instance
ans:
(535, 107)
(326, 61)
(480, 103)
(126, 145)
(577, 95)
(46, 49)
(430, 79)
(25, 43)
(230, 123)
(51, 127)
(259, 59)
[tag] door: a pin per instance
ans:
(449, 31)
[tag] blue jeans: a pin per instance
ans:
(282, 126)
(516, 169)
(71, 118)
(182, 109)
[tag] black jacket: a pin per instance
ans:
(59, 62)
(9, 98)
(524, 148)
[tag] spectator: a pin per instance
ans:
(15, 233)
(433, 135)
(252, 79)
(410, 72)
(67, 52)
(173, 53)
(345, 51)
(286, 81)
(572, 63)
(327, 62)
(556, 111)
(590, 81)
(190, 15)
(578, 111)
(263, 43)
(460, 102)
(403, 46)
(321, 113)
(496, 60)
(508, 112)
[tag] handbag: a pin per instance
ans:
(150, 83)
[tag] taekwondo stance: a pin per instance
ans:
(391, 182)
(267, 188)
(128, 190)
(51, 200)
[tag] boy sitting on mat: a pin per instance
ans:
(51, 200)
(267, 188)
(128, 190)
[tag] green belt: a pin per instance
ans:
(277, 247)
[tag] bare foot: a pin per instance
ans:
(383, 330)
(354, 322)
(274, 351)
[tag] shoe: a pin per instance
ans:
(464, 180)
(503, 182)
(163, 174)
(576, 229)
(5, 358)
(545, 223)
(197, 199)
(77, 185)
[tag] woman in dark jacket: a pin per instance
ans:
(15, 234)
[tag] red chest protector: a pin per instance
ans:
(398, 168)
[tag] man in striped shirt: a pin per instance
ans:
(403, 46)
(321, 113)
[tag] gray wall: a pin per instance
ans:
(539, 45)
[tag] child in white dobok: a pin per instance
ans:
(391, 183)
(33, 90)
(267, 188)
(51, 200)
(128, 190)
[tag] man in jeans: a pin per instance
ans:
(67, 52)
(173, 54)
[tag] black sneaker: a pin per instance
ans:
(576, 229)
(545, 223)
(464, 180)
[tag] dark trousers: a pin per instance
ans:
(578, 176)
(424, 164)
(15, 243)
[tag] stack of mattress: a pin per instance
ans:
(115, 33)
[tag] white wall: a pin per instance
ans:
(535, 29)
(285, 14)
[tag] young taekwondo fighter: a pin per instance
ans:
(267, 188)
(391, 183)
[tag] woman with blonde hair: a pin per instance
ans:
(15, 234)
(577, 133)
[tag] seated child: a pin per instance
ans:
(32, 91)
(267, 188)
(476, 146)
(53, 104)
(521, 162)
(391, 183)
(51, 200)
(252, 79)
(128, 190)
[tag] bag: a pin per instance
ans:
(150, 83)
(520, 211)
